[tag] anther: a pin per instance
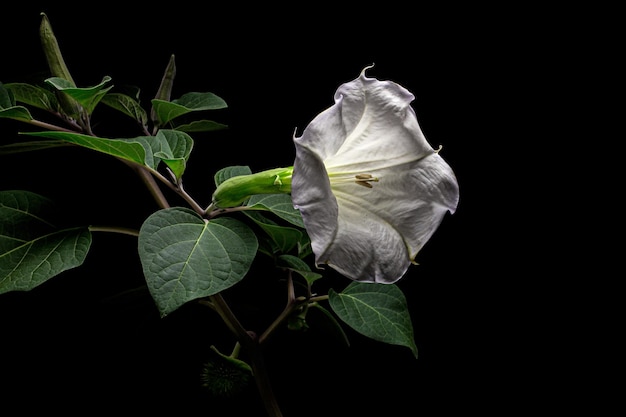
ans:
(364, 184)
(365, 179)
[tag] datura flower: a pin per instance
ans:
(370, 188)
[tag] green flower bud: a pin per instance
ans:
(235, 190)
(165, 89)
(57, 66)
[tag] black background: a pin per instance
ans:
(68, 346)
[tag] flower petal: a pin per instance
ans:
(370, 234)
(312, 195)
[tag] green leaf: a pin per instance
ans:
(201, 126)
(378, 311)
(6, 97)
(329, 323)
(32, 249)
(34, 145)
(279, 204)
(34, 96)
(88, 97)
(190, 102)
(201, 101)
(130, 149)
(299, 266)
(8, 109)
(166, 111)
(127, 105)
(284, 238)
(17, 113)
(232, 171)
(185, 257)
(173, 148)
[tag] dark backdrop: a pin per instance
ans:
(68, 346)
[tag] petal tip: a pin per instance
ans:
(365, 69)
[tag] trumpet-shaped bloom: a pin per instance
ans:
(370, 188)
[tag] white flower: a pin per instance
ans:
(370, 188)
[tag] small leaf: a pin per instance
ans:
(33, 96)
(127, 105)
(88, 97)
(6, 97)
(201, 101)
(8, 109)
(299, 266)
(279, 204)
(191, 102)
(166, 111)
(174, 148)
(17, 113)
(201, 126)
(185, 257)
(229, 172)
(378, 311)
(32, 249)
(284, 238)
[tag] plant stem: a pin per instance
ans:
(291, 304)
(122, 230)
(151, 184)
(253, 348)
(48, 126)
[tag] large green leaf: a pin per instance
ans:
(171, 146)
(130, 149)
(32, 249)
(88, 97)
(33, 145)
(378, 311)
(185, 257)
(187, 103)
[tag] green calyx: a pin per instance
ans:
(235, 190)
